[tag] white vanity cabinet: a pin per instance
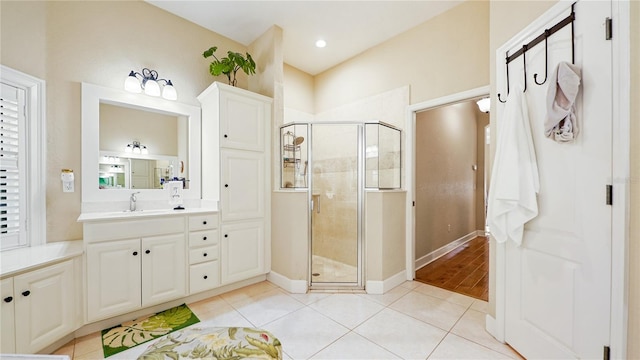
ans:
(236, 172)
(38, 308)
(204, 252)
(133, 264)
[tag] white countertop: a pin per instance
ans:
(123, 215)
(24, 259)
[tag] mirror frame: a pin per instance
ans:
(92, 96)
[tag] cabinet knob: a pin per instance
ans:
(205, 277)
(205, 254)
(204, 238)
(204, 222)
(147, 252)
(26, 293)
(8, 299)
(226, 235)
(226, 185)
(226, 136)
(135, 253)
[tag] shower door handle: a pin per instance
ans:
(315, 206)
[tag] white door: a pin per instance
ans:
(113, 278)
(44, 306)
(163, 268)
(243, 184)
(242, 249)
(242, 121)
(557, 292)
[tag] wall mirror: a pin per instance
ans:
(133, 142)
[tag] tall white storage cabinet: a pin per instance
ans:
(236, 133)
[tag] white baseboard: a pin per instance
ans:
(381, 287)
(292, 286)
(445, 249)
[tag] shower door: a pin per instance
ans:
(335, 204)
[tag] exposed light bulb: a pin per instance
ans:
(128, 149)
(144, 151)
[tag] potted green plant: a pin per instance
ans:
(230, 64)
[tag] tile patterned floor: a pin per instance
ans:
(412, 321)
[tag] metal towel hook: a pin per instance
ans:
(507, 66)
(546, 56)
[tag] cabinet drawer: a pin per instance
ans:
(203, 222)
(203, 238)
(203, 254)
(204, 276)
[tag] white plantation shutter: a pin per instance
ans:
(12, 167)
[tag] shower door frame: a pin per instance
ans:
(359, 283)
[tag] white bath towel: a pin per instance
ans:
(514, 178)
(561, 123)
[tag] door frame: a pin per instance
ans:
(410, 161)
(620, 12)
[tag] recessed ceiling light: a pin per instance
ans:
(321, 43)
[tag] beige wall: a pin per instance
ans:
(433, 58)
(633, 351)
(99, 42)
(120, 126)
(384, 231)
(445, 193)
(298, 90)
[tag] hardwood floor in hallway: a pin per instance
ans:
(464, 270)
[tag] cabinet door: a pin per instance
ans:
(243, 185)
(8, 337)
(45, 306)
(163, 268)
(242, 122)
(242, 251)
(113, 278)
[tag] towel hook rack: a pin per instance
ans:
(544, 36)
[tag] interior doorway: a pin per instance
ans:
(447, 182)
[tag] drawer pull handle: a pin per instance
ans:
(205, 277)
(204, 238)
(147, 252)
(205, 254)
(8, 299)
(135, 253)
(204, 222)
(26, 293)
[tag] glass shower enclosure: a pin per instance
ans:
(335, 163)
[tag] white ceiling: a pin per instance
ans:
(349, 27)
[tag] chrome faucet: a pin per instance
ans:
(132, 201)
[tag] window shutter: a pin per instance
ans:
(12, 167)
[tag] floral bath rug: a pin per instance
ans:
(198, 342)
(129, 334)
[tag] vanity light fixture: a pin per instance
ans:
(484, 104)
(148, 80)
(136, 148)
